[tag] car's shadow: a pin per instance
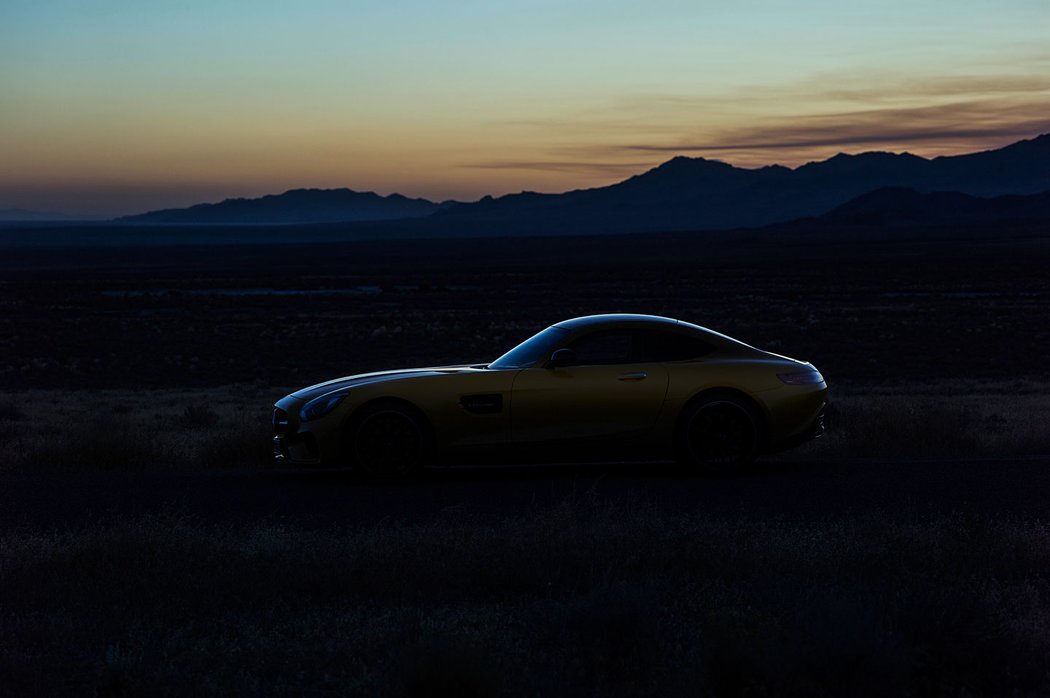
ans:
(522, 472)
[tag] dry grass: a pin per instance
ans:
(951, 420)
(229, 427)
(583, 599)
(140, 430)
(577, 600)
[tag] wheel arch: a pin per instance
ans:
(391, 401)
(346, 428)
(764, 426)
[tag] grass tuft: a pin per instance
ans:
(197, 417)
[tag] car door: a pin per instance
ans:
(605, 395)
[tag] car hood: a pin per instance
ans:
(313, 391)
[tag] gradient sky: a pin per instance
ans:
(110, 107)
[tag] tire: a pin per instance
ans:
(719, 435)
(387, 441)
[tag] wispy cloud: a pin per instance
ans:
(791, 124)
(949, 86)
(930, 127)
(592, 167)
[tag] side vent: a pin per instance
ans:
(482, 404)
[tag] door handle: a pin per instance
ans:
(634, 376)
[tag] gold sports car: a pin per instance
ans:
(592, 388)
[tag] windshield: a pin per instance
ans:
(538, 346)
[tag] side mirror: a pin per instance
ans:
(562, 357)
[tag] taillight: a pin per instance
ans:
(810, 377)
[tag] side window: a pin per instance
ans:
(612, 347)
(671, 346)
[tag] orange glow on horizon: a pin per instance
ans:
(142, 107)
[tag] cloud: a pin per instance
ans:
(957, 123)
(598, 168)
(948, 86)
(791, 124)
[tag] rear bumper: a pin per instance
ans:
(814, 430)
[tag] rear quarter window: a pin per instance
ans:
(671, 346)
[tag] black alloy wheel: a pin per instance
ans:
(719, 435)
(388, 442)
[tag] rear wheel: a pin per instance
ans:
(387, 441)
(719, 435)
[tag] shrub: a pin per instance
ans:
(239, 445)
(197, 417)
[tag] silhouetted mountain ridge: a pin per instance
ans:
(902, 207)
(680, 194)
(696, 193)
(295, 206)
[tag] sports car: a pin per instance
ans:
(595, 387)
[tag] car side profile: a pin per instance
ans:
(596, 387)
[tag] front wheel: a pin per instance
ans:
(719, 435)
(387, 441)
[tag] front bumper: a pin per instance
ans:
(291, 446)
(295, 449)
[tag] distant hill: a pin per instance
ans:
(695, 193)
(681, 194)
(891, 213)
(297, 206)
(895, 207)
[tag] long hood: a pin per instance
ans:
(313, 391)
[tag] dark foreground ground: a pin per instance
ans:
(799, 489)
(147, 547)
(866, 578)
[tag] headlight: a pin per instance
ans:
(320, 406)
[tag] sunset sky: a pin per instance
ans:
(110, 107)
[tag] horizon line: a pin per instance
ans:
(63, 216)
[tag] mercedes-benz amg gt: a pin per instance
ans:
(594, 388)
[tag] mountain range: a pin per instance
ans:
(297, 206)
(681, 194)
(699, 194)
(896, 207)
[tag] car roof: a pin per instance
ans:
(616, 320)
(619, 320)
